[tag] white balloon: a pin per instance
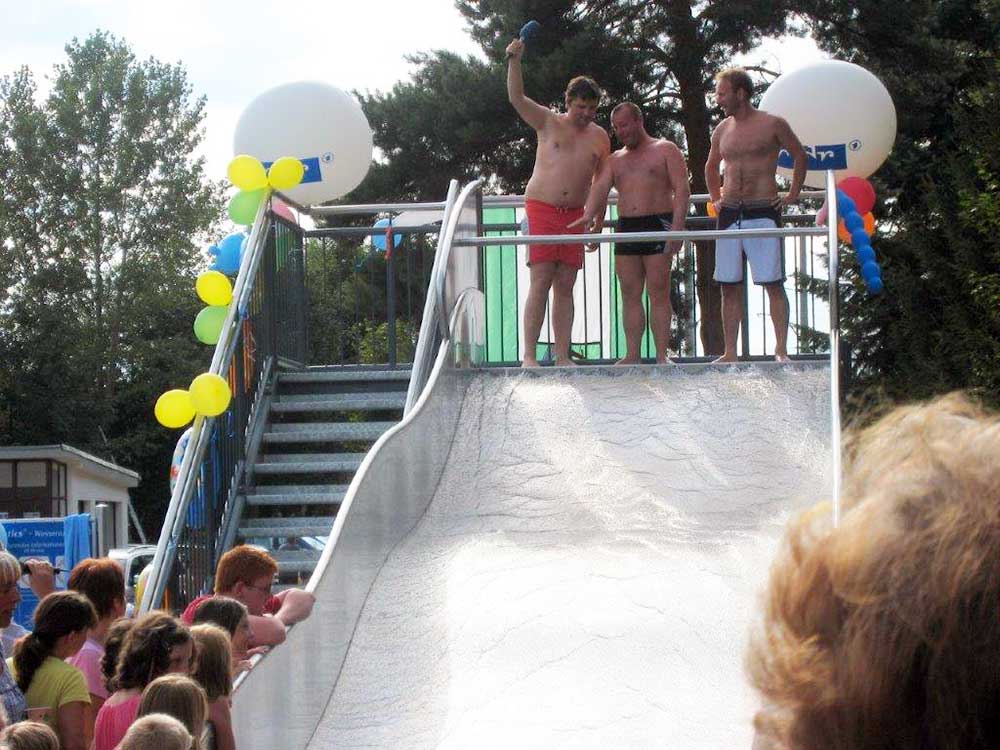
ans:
(314, 122)
(841, 112)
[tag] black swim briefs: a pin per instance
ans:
(651, 223)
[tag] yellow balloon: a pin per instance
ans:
(140, 585)
(711, 209)
(285, 173)
(210, 394)
(174, 408)
(214, 288)
(247, 173)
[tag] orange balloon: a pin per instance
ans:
(842, 232)
(711, 209)
(869, 223)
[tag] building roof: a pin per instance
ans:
(72, 456)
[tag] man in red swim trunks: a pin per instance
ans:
(570, 150)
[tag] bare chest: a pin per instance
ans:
(566, 143)
(748, 142)
(646, 167)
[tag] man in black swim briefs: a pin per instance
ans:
(652, 182)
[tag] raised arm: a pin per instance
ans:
(790, 142)
(713, 175)
(530, 111)
(677, 169)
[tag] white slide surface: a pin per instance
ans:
(587, 572)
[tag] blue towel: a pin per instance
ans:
(76, 540)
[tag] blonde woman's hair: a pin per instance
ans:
(10, 568)
(179, 696)
(213, 660)
(885, 631)
(29, 735)
(157, 732)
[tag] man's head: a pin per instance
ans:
(246, 573)
(626, 121)
(583, 97)
(733, 90)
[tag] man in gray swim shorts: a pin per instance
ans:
(749, 141)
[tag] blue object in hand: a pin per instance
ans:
(529, 30)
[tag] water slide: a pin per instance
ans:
(564, 558)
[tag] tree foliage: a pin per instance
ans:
(453, 120)
(937, 327)
(102, 213)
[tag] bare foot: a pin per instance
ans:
(725, 359)
(628, 361)
(782, 358)
(565, 362)
(529, 362)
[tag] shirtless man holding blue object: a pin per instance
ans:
(652, 182)
(749, 141)
(570, 149)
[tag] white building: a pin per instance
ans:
(52, 481)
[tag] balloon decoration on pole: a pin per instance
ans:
(210, 394)
(228, 254)
(214, 288)
(855, 228)
(379, 240)
(174, 408)
(208, 325)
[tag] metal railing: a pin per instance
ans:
(598, 330)
(264, 328)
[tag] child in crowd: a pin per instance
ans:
(212, 671)
(62, 620)
(29, 735)
(181, 697)
(113, 643)
(102, 581)
(156, 645)
(157, 732)
(11, 698)
(233, 617)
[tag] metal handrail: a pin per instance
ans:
(560, 239)
(517, 201)
(180, 498)
(426, 352)
(834, 304)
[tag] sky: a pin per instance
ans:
(351, 45)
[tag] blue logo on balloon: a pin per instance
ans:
(311, 164)
(378, 240)
(820, 157)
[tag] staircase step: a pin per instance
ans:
(292, 526)
(297, 494)
(339, 402)
(298, 561)
(343, 376)
(308, 463)
(322, 432)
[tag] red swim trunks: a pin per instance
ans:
(544, 218)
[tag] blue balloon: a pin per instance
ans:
(875, 285)
(865, 254)
(378, 240)
(228, 254)
(845, 203)
(860, 238)
(870, 270)
(854, 222)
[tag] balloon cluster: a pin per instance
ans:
(209, 394)
(255, 182)
(855, 200)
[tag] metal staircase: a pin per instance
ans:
(314, 433)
